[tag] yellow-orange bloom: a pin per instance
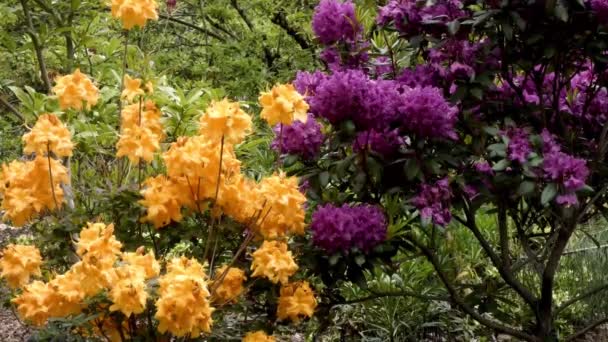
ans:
(227, 119)
(142, 132)
(231, 286)
(297, 300)
(273, 261)
(258, 336)
(163, 201)
(283, 104)
(134, 12)
(75, 89)
(183, 306)
(128, 293)
(19, 263)
(132, 88)
(26, 188)
(32, 303)
(97, 245)
(145, 264)
(49, 134)
(283, 209)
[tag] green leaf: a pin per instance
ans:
(360, 260)
(501, 165)
(412, 169)
(324, 178)
(548, 194)
(526, 187)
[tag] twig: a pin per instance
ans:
(586, 329)
(580, 297)
(192, 26)
(37, 47)
(12, 109)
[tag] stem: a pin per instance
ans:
(280, 145)
(48, 155)
(37, 47)
(240, 251)
(124, 70)
(217, 191)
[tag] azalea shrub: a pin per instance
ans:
(424, 123)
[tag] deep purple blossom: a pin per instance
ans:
(566, 170)
(342, 228)
(484, 167)
(409, 16)
(382, 66)
(385, 143)
(341, 96)
(600, 7)
(425, 112)
(303, 139)
(424, 75)
(335, 21)
(518, 148)
(306, 83)
(434, 201)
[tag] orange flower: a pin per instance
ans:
(134, 12)
(142, 132)
(296, 300)
(283, 104)
(132, 88)
(19, 263)
(225, 118)
(273, 261)
(74, 90)
(231, 286)
(48, 134)
(258, 336)
(163, 201)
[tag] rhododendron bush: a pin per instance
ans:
(417, 124)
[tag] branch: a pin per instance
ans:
(192, 26)
(12, 109)
(220, 27)
(432, 258)
(37, 47)
(582, 296)
(586, 329)
(280, 20)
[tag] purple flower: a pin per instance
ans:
(341, 96)
(550, 145)
(424, 75)
(303, 139)
(425, 112)
(566, 170)
(306, 83)
(342, 228)
(470, 191)
(409, 16)
(518, 147)
(567, 200)
(383, 65)
(384, 143)
(600, 7)
(434, 201)
(335, 21)
(484, 167)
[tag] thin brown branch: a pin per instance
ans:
(586, 329)
(400, 293)
(12, 109)
(37, 46)
(580, 297)
(280, 19)
(490, 323)
(192, 26)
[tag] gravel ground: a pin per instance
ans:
(11, 330)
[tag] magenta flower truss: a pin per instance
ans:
(425, 112)
(342, 228)
(518, 148)
(385, 143)
(568, 172)
(423, 75)
(408, 16)
(600, 7)
(434, 201)
(335, 21)
(306, 83)
(302, 139)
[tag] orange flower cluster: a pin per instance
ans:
(18, 263)
(296, 300)
(231, 287)
(134, 12)
(183, 307)
(142, 132)
(283, 104)
(28, 188)
(66, 293)
(258, 336)
(74, 90)
(273, 261)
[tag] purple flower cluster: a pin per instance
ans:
(518, 148)
(342, 228)
(299, 138)
(434, 201)
(340, 96)
(423, 75)
(409, 17)
(384, 143)
(306, 83)
(425, 112)
(567, 171)
(600, 7)
(335, 21)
